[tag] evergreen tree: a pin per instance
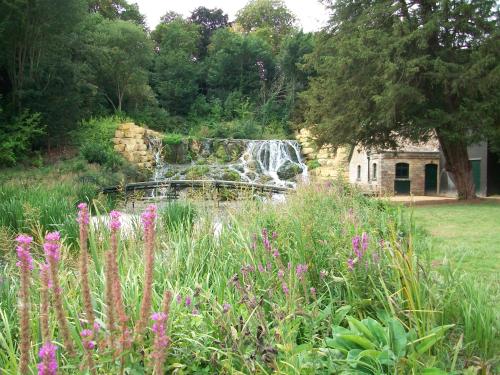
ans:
(410, 68)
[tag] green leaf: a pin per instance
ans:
(358, 326)
(377, 330)
(398, 337)
(359, 341)
(340, 314)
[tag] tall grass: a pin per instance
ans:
(243, 315)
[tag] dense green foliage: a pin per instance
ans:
(63, 62)
(416, 70)
(388, 312)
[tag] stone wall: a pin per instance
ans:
(416, 161)
(333, 163)
(131, 142)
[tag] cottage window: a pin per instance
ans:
(359, 172)
(374, 171)
(402, 170)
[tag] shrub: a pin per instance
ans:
(313, 164)
(17, 136)
(173, 139)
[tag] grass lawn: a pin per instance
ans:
(468, 235)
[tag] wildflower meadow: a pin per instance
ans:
(329, 282)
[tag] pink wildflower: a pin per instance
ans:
(281, 273)
(188, 301)
(226, 307)
(48, 364)
(23, 252)
(300, 270)
(350, 264)
(52, 247)
(26, 265)
(364, 241)
(260, 267)
(114, 223)
(356, 246)
(83, 214)
(285, 288)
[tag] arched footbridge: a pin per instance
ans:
(170, 189)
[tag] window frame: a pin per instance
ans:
(397, 168)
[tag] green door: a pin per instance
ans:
(476, 173)
(402, 187)
(430, 178)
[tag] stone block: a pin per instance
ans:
(126, 126)
(128, 134)
(140, 165)
(307, 150)
(118, 134)
(119, 148)
(148, 165)
(142, 147)
(130, 147)
(116, 141)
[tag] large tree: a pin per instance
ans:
(119, 53)
(411, 68)
(209, 21)
(176, 69)
(269, 19)
(40, 69)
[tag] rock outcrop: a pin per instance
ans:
(131, 141)
(324, 162)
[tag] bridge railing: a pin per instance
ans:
(177, 185)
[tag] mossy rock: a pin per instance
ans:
(289, 170)
(170, 173)
(197, 172)
(230, 175)
(264, 179)
(222, 154)
(176, 153)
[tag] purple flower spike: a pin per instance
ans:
(350, 264)
(188, 301)
(300, 270)
(281, 273)
(114, 223)
(48, 364)
(226, 307)
(23, 252)
(286, 291)
(83, 214)
(51, 247)
(364, 241)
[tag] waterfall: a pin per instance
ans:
(277, 159)
(155, 144)
(274, 162)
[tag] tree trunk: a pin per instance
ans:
(458, 165)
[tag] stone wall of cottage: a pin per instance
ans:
(416, 161)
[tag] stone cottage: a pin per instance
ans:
(413, 168)
(418, 169)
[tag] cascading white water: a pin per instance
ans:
(274, 162)
(271, 158)
(156, 146)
